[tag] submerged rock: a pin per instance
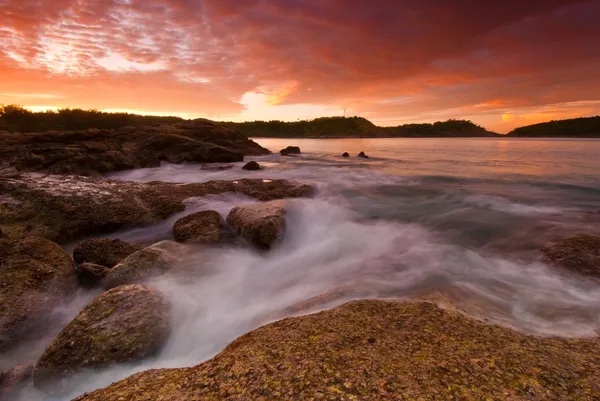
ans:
(579, 253)
(103, 251)
(36, 275)
(290, 150)
(203, 227)
(99, 151)
(261, 224)
(252, 165)
(378, 350)
(362, 155)
(125, 324)
(14, 378)
(90, 274)
(345, 154)
(216, 167)
(146, 263)
(62, 208)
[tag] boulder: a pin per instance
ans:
(261, 224)
(125, 324)
(290, 150)
(13, 379)
(36, 275)
(103, 251)
(203, 227)
(379, 350)
(362, 155)
(345, 154)
(64, 208)
(252, 165)
(90, 274)
(99, 151)
(144, 264)
(579, 253)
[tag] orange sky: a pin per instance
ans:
(501, 64)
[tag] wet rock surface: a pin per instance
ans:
(379, 350)
(252, 165)
(262, 224)
(290, 150)
(579, 253)
(345, 154)
(146, 263)
(96, 151)
(362, 155)
(125, 324)
(36, 275)
(14, 378)
(103, 251)
(204, 227)
(62, 208)
(90, 274)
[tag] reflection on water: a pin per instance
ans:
(463, 216)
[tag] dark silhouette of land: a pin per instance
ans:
(584, 127)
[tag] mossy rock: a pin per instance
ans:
(103, 251)
(579, 253)
(125, 324)
(379, 350)
(261, 224)
(36, 275)
(203, 227)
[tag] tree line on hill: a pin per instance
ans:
(583, 127)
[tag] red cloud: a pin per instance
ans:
(392, 61)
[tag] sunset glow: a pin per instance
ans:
(500, 64)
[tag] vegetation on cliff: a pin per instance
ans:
(584, 127)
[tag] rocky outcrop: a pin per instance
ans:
(290, 150)
(362, 155)
(144, 264)
(252, 165)
(124, 324)
(261, 224)
(103, 251)
(62, 208)
(96, 151)
(90, 274)
(379, 350)
(204, 227)
(13, 379)
(36, 275)
(579, 253)
(345, 154)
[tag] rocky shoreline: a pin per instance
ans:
(362, 350)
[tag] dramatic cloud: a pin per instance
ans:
(498, 63)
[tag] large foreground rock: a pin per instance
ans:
(261, 224)
(36, 275)
(205, 227)
(103, 251)
(579, 253)
(144, 264)
(378, 350)
(96, 151)
(62, 208)
(124, 324)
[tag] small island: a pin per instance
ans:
(583, 127)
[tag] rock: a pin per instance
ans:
(36, 275)
(90, 274)
(216, 167)
(146, 263)
(99, 151)
(579, 253)
(125, 324)
(14, 378)
(345, 154)
(290, 150)
(103, 251)
(363, 155)
(203, 227)
(356, 351)
(63, 208)
(252, 165)
(261, 224)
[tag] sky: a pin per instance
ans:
(501, 64)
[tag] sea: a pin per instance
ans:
(457, 221)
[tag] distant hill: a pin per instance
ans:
(584, 127)
(357, 127)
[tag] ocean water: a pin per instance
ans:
(465, 217)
